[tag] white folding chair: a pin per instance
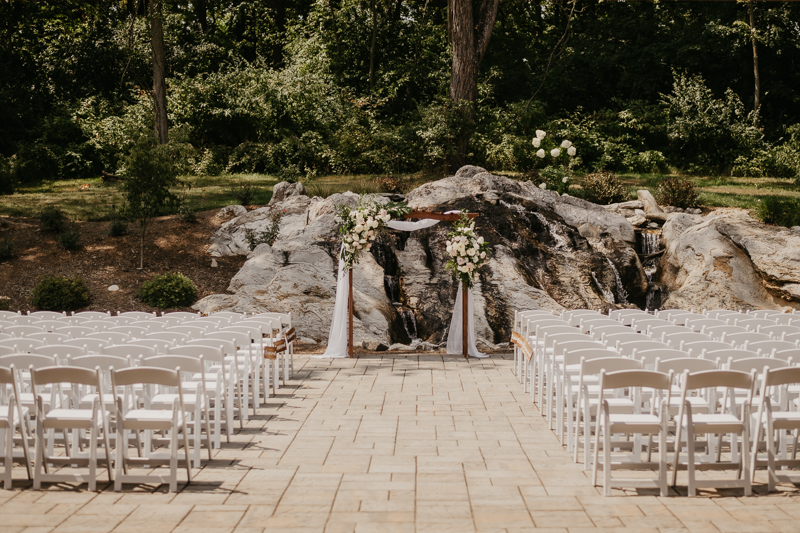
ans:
(137, 315)
(90, 344)
(649, 357)
(111, 337)
(237, 375)
(793, 354)
(13, 417)
(75, 332)
(182, 314)
(752, 324)
(244, 368)
(615, 339)
(779, 332)
(739, 339)
(70, 419)
(697, 324)
(637, 384)
(133, 332)
(98, 325)
(23, 331)
(765, 348)
(136, 352)
(21, 344)
(674, 340)
(152, 326)
(642, 324)
(172, 336)
(195, 397)
(161, 346)
(47, 315)
(172, 421)
(48, 338)
(627, 348)
(695, 348)
(92, 315)
(728, 420)
(718, 332)
(778, 416)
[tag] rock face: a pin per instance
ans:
(284, 190)
(550, 252)
(729, 260)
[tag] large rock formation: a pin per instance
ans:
(729, 260)
(550, 252)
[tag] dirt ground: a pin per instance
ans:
(171, 245)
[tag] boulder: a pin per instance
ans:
(729, 260)
(231, 211)
(284, 190)
(649, 203)
(403, 293)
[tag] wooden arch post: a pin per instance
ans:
(452, 217)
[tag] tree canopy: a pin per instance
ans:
(305, 87)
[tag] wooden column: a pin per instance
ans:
(464, 319)
(350, 313)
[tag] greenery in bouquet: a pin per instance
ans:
(466, 250)
(360, 226)
(558, 160)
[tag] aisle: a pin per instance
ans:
(392, 443)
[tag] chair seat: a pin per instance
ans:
(71, 418)
(785, 419)
(168, 400)
(6, 414)
(151, 419)
(715, 423)
(635, 423)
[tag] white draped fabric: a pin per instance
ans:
(454, 336)
(337, 338)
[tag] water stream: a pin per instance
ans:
(609, 296)
(622, 294)
(410, 323)
(651, 243)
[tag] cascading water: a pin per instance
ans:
(410, 323)
(392, 289)
(561, 241)
(609, 296)
(651, 244)
(622, 294)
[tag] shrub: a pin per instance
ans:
(603, 188)
(53, 219)
(677, 192)
(244, 192)
(779, 211)
(187, 215)
(37, 162)
(265, 237)
(7, 178)
(5, 304)
(555, 179)
(648, 162)
(393, 184)
(118, 228)
(6, 248)
(58, 293)
(70, 239)
(168, 290)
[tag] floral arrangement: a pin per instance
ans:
(466, 250)
(559, 160)
(359, 227)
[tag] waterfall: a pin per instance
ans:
(561, 241)
(622, 294)
(410, 323)
(392, 289)
(651, 243)
(606, 293)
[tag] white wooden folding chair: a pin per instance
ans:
(649, 357)
(627, 316)
(47, 315)
(161, 346)
(173, 421)
(21, 344)
(20, 332)
(695, 348)
(752, 324)
(219, 383)
(727, 420)
(779, 332)
(151, 325)
(195, 397)
(90, 344)
(48, 337)
(588, 403)
(739, 339)
(601, 332)
(237, 375)
(98, 325)
(135, 351)
(793, 354)
(765, 348)
(13, 417)
(111, 337)
(244, 368)
(71, 419)
(637, 384)
(778, 417)
(615, 339)
(137, 315)
(75, 332)
(92, 315)
(675, 339)
(627, 348)
(643, 324)
(718, 332)
(698, 323)
(182, 314)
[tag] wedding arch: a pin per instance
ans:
(461, 335)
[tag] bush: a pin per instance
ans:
(6, 248)
(53, 219)
(70, 239)
(603, 188)
(187, 215)
(244, 192)
(7, 178)
(5, 304)
(265, 237)
(393, 184)
(58, 293)
(168, 290)
(555, 179)
(37, 162)
(779, 211)
(676, 192)
(118, 228)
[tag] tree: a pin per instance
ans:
(470, 38)
(159, 73)
(151, 170)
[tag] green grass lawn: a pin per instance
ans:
(212, 192)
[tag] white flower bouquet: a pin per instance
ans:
(467, 251)
(359, 227)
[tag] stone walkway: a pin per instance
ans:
(391, 443)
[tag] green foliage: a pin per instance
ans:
(70, 238)
(8, 180)
(244, 192)
(168, 290)
(267, 236)
(118, 227)
(555, 179)
(708, 133)
(6, 248)
(393, 184)
(187, 215)
(5, 304)
(58, 293)
(53, 219)
(676, 192)
(779, 211)
(37, 162)
(603, 188)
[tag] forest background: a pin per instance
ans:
(306, 88)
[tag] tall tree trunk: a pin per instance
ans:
(470, 38)
(159, 73)
(757, 99)
(280, 24)
(372, 45)
(201, 12)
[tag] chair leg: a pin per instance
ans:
(186, 453)
(9, 455)
(41, 458)
(690, 460)
(173, 456)
(122, 452)
(662, 461)
(208, 433)
(92, 457)
(606, 461)
(26, 453)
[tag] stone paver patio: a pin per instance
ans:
(392, 443)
